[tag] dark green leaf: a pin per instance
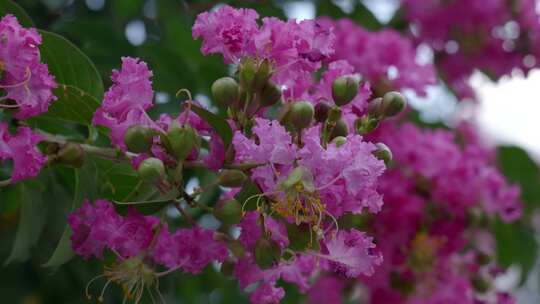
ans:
(32, 219)
(219, 124)
(80, 88)
(519, 168)
(515, 245)
(10, 7)
(247, 196)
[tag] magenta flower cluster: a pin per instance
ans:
(322, 183)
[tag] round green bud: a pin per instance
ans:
(71, 154)
(321, 111)
(225, 91)
(375, 108)
(182, 140)
(301, 114)
(247, 70)
(267, 253)
(139, 139)
(270, 94)
(237, 249)
(345, 89)
(383, 153)
(334, 114)
(227, 268)
(229, 212)
(339, 141)
(480, 283)
(151, 170)
(231, 178)
(340, 129)
(393, 103)
(365, 125)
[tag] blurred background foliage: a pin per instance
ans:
(159, 32)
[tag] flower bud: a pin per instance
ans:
(321, 111)
(345, 89)
(71, 154)
(393, 103)
(340, 129)
(247, 71)
(139, 139)
(339, 141)
(151, 170)
(267, 253)
(365, 125)
(227, 268)
(480, 283)
(270, 94)
(383, 153)
(375, 108)
(236, 248)
(263, 74)
(182, 140)
(229, 212)
(301, 114)
(334, 114)
(231, 178)
(225, 91)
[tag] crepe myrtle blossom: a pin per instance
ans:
(26, 81)
(294, 49)
(22, 149)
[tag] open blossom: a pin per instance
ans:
(495, 36)
(385, 58)
(126, 101)
(25, 80)
(189, 249)
(296, 49)
(97, 226)
(22, 149)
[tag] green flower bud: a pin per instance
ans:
(247, 71)
(151, 170)
(393, 103)
(237, 249)
(270, 94)
(365, 125)
(334, 114)
(225, 91)
(383, 153)
(340, 129)
(231, 178)
(345, 89)
(182, 140)
(321, 111)
(339, 141)
(267, 253)
(139, 139)
(71, 154)
(302, 114)
(229, 212)
(375, 108)
(263, 74)
(480, 283)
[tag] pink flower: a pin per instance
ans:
(22, 149)
(227, 31)
(351, 254)
(267, 294)
(25, 80)
(384, 58)
(251, 230)
(190, 249)
(126, 101)
(97, 226)
(326, 290)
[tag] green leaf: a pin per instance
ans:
(249, 192)
(31, 222)
(219, 124)
(151, 206)
(80, 88)
(515, 245)
(84, 188)
(519, 168)
(10, 7)
(363, 16)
